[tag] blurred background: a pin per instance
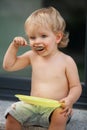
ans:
(13, 14)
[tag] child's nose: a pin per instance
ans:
(37, 41)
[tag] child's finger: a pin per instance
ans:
(20, 41)
(63, 104)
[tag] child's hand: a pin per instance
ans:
(67, 109)
(19, 41)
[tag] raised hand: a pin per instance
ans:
(19, 41)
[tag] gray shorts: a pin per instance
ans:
(28, 114)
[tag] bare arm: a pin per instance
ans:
(11, 61)
(75, 88)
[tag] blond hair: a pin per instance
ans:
(52, 18)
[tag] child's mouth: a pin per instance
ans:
(39, 48)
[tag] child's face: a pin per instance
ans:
(43, 41)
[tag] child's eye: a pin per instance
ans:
(32, 37)
(43, 36)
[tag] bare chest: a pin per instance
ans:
(48, 70)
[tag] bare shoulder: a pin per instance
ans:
(71, 66)
(29, 54)
(69, 60)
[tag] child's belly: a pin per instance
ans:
(51, 92)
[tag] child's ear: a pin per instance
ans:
(59, 36)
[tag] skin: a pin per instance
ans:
(54, 74)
